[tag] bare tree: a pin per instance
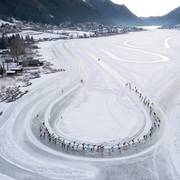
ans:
(17, 48)
(1, 70)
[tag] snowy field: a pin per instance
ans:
(54, 34)
(101, 109)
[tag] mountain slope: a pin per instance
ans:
(47, 11)
(112, 12)
(57, 11)
(172, 18)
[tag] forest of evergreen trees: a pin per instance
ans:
(58, 11)
(48, 11)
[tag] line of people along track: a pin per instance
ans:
(124, 147)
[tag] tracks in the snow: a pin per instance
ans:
(21, 146)
(119, 79)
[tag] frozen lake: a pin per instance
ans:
(98, 110)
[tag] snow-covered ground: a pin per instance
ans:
(5, 22)
(37, 34)
(98, 110)
(54, 34)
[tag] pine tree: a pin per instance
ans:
(3, 42)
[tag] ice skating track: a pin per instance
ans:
(20, 146)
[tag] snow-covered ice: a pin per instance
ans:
(98, 110)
